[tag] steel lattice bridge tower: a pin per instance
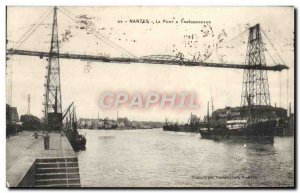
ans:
(255, 91)
(53, 102)
(255, 88)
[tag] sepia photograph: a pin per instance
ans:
(150, 97)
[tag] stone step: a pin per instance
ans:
(56, 176)
(47, 160)
(59, 185)
(56, 164)
(57, 181)
(57, 170)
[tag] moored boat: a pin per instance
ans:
(262, 131)
(191, 126)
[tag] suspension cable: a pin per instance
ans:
(270, 56)
(31, 30)
(240, 34)
(102, 38)
(65, 12)
(227, 42)
(273, 46)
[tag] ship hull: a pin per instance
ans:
(256, 132)
(181, 128)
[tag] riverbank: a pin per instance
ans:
(23, 150)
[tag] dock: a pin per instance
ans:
(29, 165)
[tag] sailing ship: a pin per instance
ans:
(77, 141)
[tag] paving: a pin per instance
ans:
(23, 149)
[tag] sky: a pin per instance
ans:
(222, 38)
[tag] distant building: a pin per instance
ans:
(123, 122)
(291, 125)
(100, 123)
(14, 114)
(13, 126)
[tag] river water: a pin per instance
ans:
(157, 158)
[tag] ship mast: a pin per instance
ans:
(212, 101)
(208, 119)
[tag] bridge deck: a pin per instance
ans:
(167, 60)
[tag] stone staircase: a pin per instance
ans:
(57, 172)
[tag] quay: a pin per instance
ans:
(28, 164)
